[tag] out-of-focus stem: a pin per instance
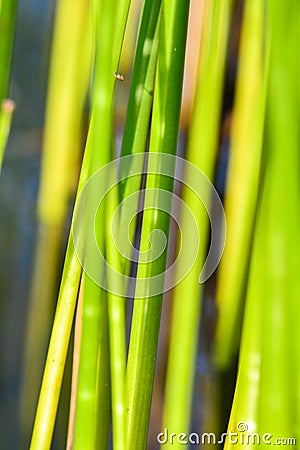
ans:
(8, 10)
(6, 115)
(201, 151)
(69, 75)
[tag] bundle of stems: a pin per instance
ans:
(257, 286)
(62, 142)
(264, 397)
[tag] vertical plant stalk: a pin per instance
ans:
(75, 365)
(277, 406)
(6, 115)
(67, 91)
(69, 76)
(117, 326)
(51, 385)
(242, 182)
(8, 13)
(121, 15)
(134, 140)
(245, 403)
(57, 352)
(201, 151)
(94, 298)
(139, 107)
(164, 135)
(60, 335)
(93, 318)
(264, 397)
(91, 406)
(142, 84)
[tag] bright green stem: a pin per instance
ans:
(110, 24)
(59, 341)
(269, 360)
(278, 409)
(121, 12)
(88, 409)
(141, 89)
(46, 413)
(242, 181)
(201, 151)
(8, 9)
(42, 304)
(139, 104)
(71, 48)
(60, 336)
(245, 402)
(67, 91)
(104, 386)
(117, 336)
(56, 358)
(164, 135)
(93, 318)
(6, 115)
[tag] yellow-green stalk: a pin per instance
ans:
(268, 375)
(278, 409)
(117, 337)
(6, 115)
(92, 407)
(163, 138)
(242, 182)
(201, 151)
(8, 13)
(69, 75)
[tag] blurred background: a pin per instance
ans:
(18, 193)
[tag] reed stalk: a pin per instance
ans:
(201, 151)
(6, 115)
(163, 138)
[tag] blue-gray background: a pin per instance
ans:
(18, 190)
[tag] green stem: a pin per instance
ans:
(117, 337)
(6, 115)
(67, 90)
(93, 317)
(201, 151)
(277, 406)
(60, 335)
(242, 181)
(121, 12)
(88, 410)
(139, 111)
(245, 403)
(264, 397)
(147, 309)
(66, 94)
(8, 10)
(57, 352)
(142, 83)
